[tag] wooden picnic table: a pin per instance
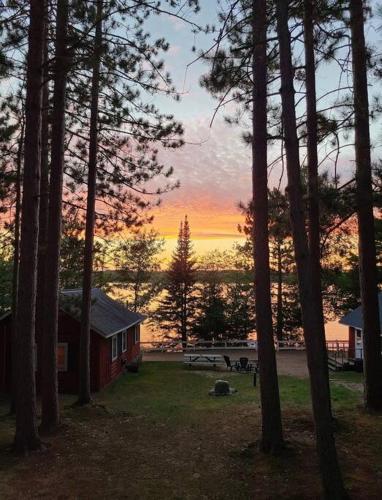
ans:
(203, 359)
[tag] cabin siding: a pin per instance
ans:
(103, 369)
(104, 362)
(134, 348)
(131, 354)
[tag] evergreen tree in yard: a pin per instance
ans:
(366, 230)
(176, 311)
(313, 323)
(27, 437)
(225, 307)
(52, 237)
(239, 309)
(84, 384)
(211, 322)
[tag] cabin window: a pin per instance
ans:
(136, 334)
(114, 348)
(62, 357)
(124, 341)
(358, 333)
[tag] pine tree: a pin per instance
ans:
(240, 72)
(272, 435)
(314, 332)
(176, 311)
(211, 320)
(26, 437)
(49, 383)
(366, 230)
(84, 395)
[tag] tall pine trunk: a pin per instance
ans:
(272, 436)
(312, 142)
(43, 213)
(84, 396)
(366, 231)
(26, 437)
(15, 270)
(49, 387)
(313, 325)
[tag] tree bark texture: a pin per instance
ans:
(43, 211)
(49, 387)
(312, 142)
(84, 389)
(15, 270)
(272, 436)
(26, 437)
(366, 230)
(313, 326)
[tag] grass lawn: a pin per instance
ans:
(159, 435)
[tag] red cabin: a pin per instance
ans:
(114, 342)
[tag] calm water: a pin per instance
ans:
(334, 331)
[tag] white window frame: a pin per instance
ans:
(114, 341)
(65, 346)
(124, 341)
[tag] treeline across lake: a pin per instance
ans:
(218, 287)
(213, 294)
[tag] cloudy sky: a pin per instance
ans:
(214, 167)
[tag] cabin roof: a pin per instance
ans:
(107, 316)
(354, 318)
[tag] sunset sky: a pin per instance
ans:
(214, 167)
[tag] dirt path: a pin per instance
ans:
(121, 456)
(288, 362)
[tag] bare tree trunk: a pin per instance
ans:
(16, 251)
(16, 257)
(313, 326)
(84, 396)
(312, 141)
(366, 230)
(272, 436)
(26, 437)
(49, 389)
(43, 213)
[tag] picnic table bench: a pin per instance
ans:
(196, 359)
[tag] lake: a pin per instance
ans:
(333, 330)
